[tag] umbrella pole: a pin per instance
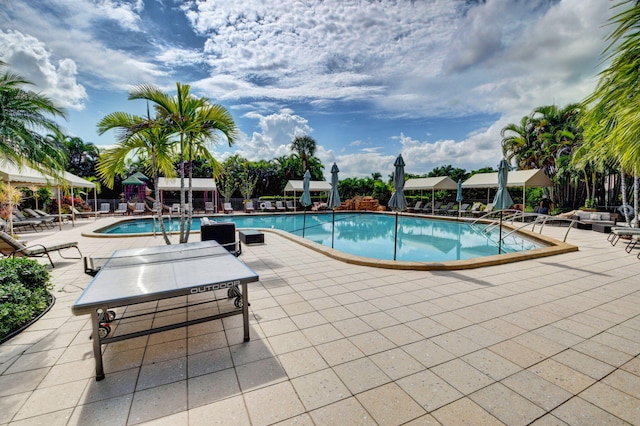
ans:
(500, 235)
(333, 225)
(395, 239)
(304, 222)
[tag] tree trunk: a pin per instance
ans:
(157, 201)
(623, 190)
(636, 191)
(182, 240)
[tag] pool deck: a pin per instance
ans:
(553, 340)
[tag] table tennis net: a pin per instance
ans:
(92, 265)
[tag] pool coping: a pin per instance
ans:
(554, 247)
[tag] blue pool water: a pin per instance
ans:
(367, 234)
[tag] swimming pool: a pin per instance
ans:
(369, 235)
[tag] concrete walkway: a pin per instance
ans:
(548, 341)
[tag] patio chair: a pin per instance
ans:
(208, 207)
(46, 218)
(105, 208)
(427, 208)
(415, 208)
(36, 250)
(488, 209)
(290, 205)
(268, 206)
(33, 217)
(64, 216)
(122, 209)
(83, 214)
(248, 207)
(445, 209)
(463, 208)
(23, 222)
(140, 208)
(227, 208)
(623, 232)
(175, 208)
(280, 207)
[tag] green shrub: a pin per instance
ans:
(24, 292)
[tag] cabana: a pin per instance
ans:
(433, 183)
(197, 184)
(534, 178)
(295, 186)
(25, 176)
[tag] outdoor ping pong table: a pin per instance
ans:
(151, 274)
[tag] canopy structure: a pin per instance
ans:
(23, 175)
(533, 178)
(135, 181)
(314, 186)
(433, 183)
(197, 184)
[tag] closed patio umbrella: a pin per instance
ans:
(398, 202)
(305, 199)
(334, 198)
(502, 200)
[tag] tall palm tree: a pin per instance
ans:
(196, 122)
(613, 107)
(305, 147)
(139, 137)
(24, 114)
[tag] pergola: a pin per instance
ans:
(431, 183)
(534, 178)
(296, 186)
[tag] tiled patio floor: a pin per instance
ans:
(548, 341)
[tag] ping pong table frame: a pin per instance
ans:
(98, 313)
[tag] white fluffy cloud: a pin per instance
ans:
(28, 56)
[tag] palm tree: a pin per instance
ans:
(305, 147)
(612, 109)
(140, 137)
(196, 122)
(23, 115)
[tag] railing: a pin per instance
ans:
(513, 215)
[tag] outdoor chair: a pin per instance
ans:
(248, 207)
(623, 232)
(415, 208)
(122, 209)
(175, 208)
(268, 206)
(23, 222)
(445, 209)
(83, 214)
(280, 207)
(64, 216)
(488, 209)
(208, 207)
(290, 206)
(475, 208)
(105, 208)
(31, 218)
(16, 248)
(461, 211)
(46, 219)
(139, 209)
(427, 208)
(227, 208)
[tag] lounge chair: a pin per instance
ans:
(140, 208)
(459, 212)
(280, 207)
(227, 208)
(31, 218)
(248, 207)
(208, 207)
(415, 208)
(83, 214)
(623, 232)
(290, 205)
(175, 208)
(105, 208)
(36, 250)
(445, 209)
(46, 219)
(122, 209)
(427, 208)
(22, 222)
(268, 207)
(475, 209)
(64, 216)
(488, 209)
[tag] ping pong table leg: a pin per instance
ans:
(97, 345)
(245, 311)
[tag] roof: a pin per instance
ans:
(437, 183)
(25, 175)
(197, 184)
(517, 178)
(314, 186)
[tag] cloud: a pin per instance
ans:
(27, 56)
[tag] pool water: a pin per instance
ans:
(368, 234)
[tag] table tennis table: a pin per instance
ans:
(134, 276)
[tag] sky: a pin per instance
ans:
(433, 80)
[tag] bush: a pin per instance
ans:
(24, 292)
